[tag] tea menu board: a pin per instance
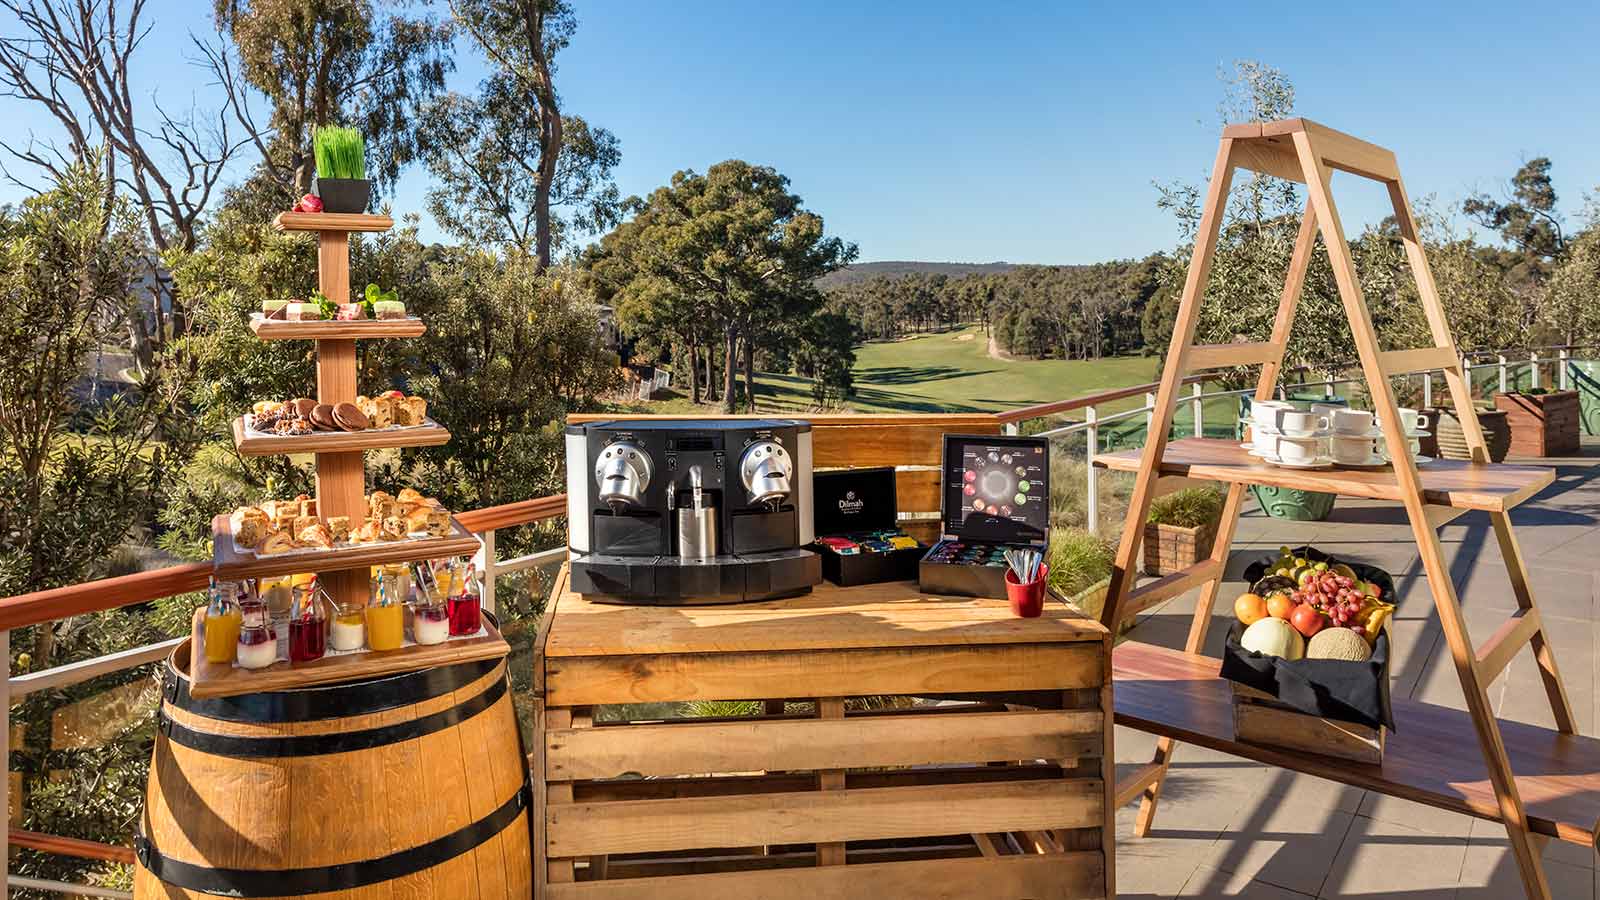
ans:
(997, 487)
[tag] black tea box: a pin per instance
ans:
(995, 497)
(858, 536)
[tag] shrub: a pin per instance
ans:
(1078, 559)
(1189, 508)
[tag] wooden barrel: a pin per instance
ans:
(411, 785)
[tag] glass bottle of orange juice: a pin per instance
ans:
(386, 617)
(222, 623)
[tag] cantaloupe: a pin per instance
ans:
(1274, 637)
(1338, 643)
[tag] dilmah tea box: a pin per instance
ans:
(994, 497)
(858, 537)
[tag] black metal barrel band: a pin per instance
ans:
(319, 879)
(330, 702)
(333, 742)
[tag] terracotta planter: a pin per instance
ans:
(1172, 548)
(1541, 424)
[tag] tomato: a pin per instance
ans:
(1307, 620)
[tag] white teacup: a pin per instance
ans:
(1294, 423)
(1351, 421)
(1265, 412)
(1412, 419)
(1352, 450)
(1293, 449)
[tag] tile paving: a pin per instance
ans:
(1228, 827)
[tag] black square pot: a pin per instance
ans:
(343, 195)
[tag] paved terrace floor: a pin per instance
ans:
(1232, 828)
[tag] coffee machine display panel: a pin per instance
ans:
(690, 511)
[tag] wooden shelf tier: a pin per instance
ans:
(208, 679)
(325, 221)
(335, 330)
(430, 435)
(1432, 758)
(1445, 482)
(229, 565)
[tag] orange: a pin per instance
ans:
(1250, 609)
(1280, 605)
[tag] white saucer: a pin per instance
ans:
(1372, 462)
(1377, 432)
(1308, 436)
(1321, 462)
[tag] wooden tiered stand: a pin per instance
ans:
(822, 796)
(1539, 783)
(341, 486)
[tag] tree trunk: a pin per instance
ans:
(750, 372)
(549, 136)
(730, 396)
(694, 373)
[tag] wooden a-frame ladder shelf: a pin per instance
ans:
(1538, 782)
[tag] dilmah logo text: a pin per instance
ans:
(850, 503)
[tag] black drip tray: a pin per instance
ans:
(671, 581)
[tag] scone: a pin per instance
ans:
(249, 526)
(339, 528)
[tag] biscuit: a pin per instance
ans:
(349, 417)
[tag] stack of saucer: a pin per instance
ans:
(1354, 437)
(1289, 437)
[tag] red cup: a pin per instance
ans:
(1027, 600)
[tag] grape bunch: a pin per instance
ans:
(1335, 596)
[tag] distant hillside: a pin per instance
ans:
(862, 271)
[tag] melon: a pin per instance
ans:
(1338, 643)
(1274, 637)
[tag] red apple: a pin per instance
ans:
(1307, 620)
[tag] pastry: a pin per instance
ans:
(349, 417)
(416, 410)
(367, 532)
(436, 521)
(388, 309)
(249, 526)
(303, 406)
(293, 426)
(273, 309)
(322, 417)
(409, 495)
(394, 528)
(276, 542)
(417, 520)
(348, 312)
(316, 535)
(375, 501)
(378, 410)
(301, 523)
(339, 528)
(308, 505)
(283, 516)
(302, 312)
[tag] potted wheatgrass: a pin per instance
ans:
(341, 181)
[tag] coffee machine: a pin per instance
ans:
(672, 512)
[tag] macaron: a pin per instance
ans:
(322, 417)
(349, 417)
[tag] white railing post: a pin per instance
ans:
(1427, 390)
(1092, 503)
(1503, 381)
(1534, 358)
(1562, 357)
(1011, 428)
(485, 562)
(1197, 403)
(1149, 413)
(1328, 393)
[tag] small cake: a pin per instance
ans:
(416, 410)
(437, 521)
(249, 526)
(380, 505)
(339, 528)
(283, 515)
(303, 406)
(316, 535)
(302, 312)
(394, 528)
(388, 309)
(409, 495)
(349, 417)
(273, 309)
(378, 410)
(301, 523)
(367, 532)
(417, 520)
(276, 542)
(322, 417)
(308, 505)
(349, 312)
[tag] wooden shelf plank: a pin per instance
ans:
(255, 444)
(208, 679)
(1446, 482)
(229, 565)
(1432, 758)
(335, 330)
(326, 221)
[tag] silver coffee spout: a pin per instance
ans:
(765, 469)
(697, 523)
(623, 472)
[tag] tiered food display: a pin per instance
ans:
(384, 564)
(1322, 603)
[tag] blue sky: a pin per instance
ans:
(1032, 132)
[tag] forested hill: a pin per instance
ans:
(892, 268)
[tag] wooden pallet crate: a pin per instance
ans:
(1259, 718)
(876, 766)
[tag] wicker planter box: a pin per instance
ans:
(1541, 424)
(1171, 548)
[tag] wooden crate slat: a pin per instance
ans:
(724, 785)
(646, 826)
(904, 740)
(596, 680)
(1069, 876)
